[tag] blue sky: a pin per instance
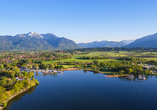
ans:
(80, 20)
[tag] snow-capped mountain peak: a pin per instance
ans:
(29, 35)
(33, 34)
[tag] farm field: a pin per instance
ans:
(113, 56)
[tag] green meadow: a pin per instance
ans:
(113, 56)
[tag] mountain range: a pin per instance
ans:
(102, 44)
(105, 44)
(149, 41)
(127, 41)
(35, 41)
(146, 41)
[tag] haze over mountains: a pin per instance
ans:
(149, 41)
(35, 41)
(105, 44)
(102, 44)
(127, 41)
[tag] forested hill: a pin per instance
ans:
(147, 41)
(35, 41)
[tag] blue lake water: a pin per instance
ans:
(77, 90)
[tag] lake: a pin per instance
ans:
(79, 90)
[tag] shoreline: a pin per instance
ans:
(93, 71)
(106, 75)
(21, 91)
(67, 69)
(71, 69)
(113, 76)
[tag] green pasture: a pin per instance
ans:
(112, 54)
(68, 66)
(78, 60)
(151, 58)
(106, 54)
(108, 71)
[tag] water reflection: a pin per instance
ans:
(85, 71)
(132, 77)
(19, 97)
(82, 91)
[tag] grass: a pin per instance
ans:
(68, 66)
(108, 71)
(112, 54)
(78, 60)
(150, 58)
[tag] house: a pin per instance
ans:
(19, 78)
(9, 79)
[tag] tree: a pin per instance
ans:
(129, 70)
(51, 66)
(30, 74)
(95, 62)
(121, 72)
(3, 97)
(2, 89)
(55, 64)
(12, 91)
(16, 87)
(29, 60)
(37, 66)
(17, 70)
(8, 93)
(21, 85)
(146, 71)
(12, 74)
(85, 65)
(1, 66)
(139, 70)
(5, 104)
(47, 67)
(3, 81)
(24, 73)
(25, 82)
(30, 66)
